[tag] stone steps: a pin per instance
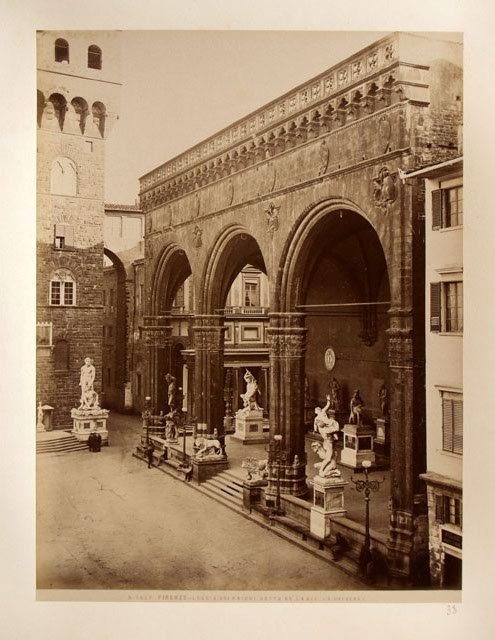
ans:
(60, 443)
(227, 487)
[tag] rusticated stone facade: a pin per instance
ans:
(314, 177)
(77, 106)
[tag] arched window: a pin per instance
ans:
(61, 355)
(62, 289)
(63, 177)
(94, 57)
(61, 50)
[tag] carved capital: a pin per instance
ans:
(287, 343)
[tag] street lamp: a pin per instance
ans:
(146, 415)
(367, 486)
(279, 456)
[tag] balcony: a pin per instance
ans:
(246, 311)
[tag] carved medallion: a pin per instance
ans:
(329, 359)
(272, 220)
(384, 189)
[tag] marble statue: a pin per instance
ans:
(335, 394)
(171, 391)
(171, 427)
(249, 397)
(210, 448)
(89, 397)
(39, 422)
(383, 399)
(356, 406)
(328, 428)
(324, 425)
(256, 468)
(326, 452)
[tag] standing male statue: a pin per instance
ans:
(171, 391)
(88, 396)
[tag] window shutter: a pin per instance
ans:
(436, 208)
(447, 425)
(439, 508)
(457, 435)
(435, 306)
(69, 235)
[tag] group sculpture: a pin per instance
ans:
(249, 396)
(89, 397)
(328, 428)
(89, 418)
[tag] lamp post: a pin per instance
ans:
(367, 486)
(146, 415)
(278, 456)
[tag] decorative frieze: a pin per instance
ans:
(338, 78)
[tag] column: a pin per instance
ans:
(287, 340)
(408, 532)
(157, 331)
(265, 388)
(208, 332)
(237, 389)
(190, 364)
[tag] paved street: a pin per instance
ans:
(107, 522)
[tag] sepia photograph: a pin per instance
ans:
(244, 312)
(244, 322)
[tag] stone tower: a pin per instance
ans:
(78, 82)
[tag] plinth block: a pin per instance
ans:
(252, 491)
(249, 427)
(86, 421)
(205, 469)
(328, 503)
(358, 445)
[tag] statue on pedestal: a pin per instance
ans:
(249, 397)
(89, 397)
(39, 422)
(383, 399)
(323, 424)
(171, 391)
(328, 428)
(256, 468)
(210, 449)
(356, 407)
(335, 394)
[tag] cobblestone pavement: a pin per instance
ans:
(106, 521)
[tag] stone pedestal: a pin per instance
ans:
(252, 491)
(47, 417)
(381, 444)
(249, 427)
(87, 420)
(357, 445)
(205, 469)
(229, 424)
(328, 503)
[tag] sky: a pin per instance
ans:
(179, 87)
